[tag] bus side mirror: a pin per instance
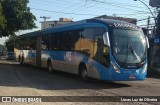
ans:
(147, 42)
(106, 39)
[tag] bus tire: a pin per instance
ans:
(49, 67)
(84, 73)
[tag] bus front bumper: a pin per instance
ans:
(127, 77)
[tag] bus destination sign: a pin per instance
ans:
(125, 25)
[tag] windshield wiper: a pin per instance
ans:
(135, 54)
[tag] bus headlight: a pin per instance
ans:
(115, 68)
(145, 69)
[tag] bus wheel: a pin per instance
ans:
(84, 73)
(49, 67)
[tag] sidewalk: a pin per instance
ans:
(8, 62)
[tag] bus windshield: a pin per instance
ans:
(128, 46)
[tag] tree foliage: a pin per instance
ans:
(17, 17)
(2, 19)
(1, 47)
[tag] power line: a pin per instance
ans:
(148, 8)
(82, 7)
(122, 4)
(62, 12)
(51, 2)
(74, 4)
(136, 13)
(72, 13)
(144, 19)
(102, 2)
(70, 6)
(92, 6)
(79, 8)
(75, 13)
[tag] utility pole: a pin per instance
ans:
(155, 59)
(148, 22)
(45, 18)
(158, 25)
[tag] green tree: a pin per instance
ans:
(17, 16)
(1, 47)
(2, 19)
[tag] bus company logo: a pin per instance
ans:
(6, 99)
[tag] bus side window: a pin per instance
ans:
(74, 40)
(45, 43)
(87, 42)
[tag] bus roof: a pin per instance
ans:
(35, 33)
(85, 23)
(104, 22)
(115, 23)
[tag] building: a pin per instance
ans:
(49, 24)
(130, 20)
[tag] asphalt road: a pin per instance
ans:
(18, 80)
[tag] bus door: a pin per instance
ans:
(101, 52)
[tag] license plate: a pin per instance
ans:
(132, 77)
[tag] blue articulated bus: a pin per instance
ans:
(98, 48)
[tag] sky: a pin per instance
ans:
(85, 9)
